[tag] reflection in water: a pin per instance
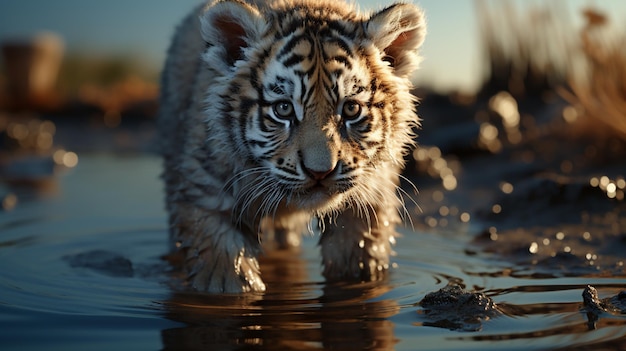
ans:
(88, 262)
(29, 160)
(286, 316)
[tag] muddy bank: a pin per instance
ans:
(534, 183)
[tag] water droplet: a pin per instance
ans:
(449, 182)
(560, 236)
(533, 248)
(437, 196)
(611, 187)
(444, 210)
(506, 187)
(604, 181)
(570, 114)
(465, 217)
(505, 105)
(17, 131)
(434, 153)
(431, 222)
(70, 159)
(439, 164)
(420, 154)
(493, 233)
(488, 132)
(9, 202)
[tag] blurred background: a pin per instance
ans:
(118, 35)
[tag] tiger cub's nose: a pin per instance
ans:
(318, 175)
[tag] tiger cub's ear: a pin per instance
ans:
(399, 31)
(228, 27)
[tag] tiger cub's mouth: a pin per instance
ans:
(315, 189)
(324, 192)
(318, 196)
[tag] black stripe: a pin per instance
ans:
(291, 27)
(254, 142)
(362, 126)
(380, 104)
(246, 105)
(290, 171)
(293, 60)
(306, 98)
(254, 79)
(341, 59)
(340, 28)
(243, 129)
(334, 26)
(342, 44)
(291, 44)
(373, 86)
(334, 92)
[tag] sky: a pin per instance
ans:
(143, 28)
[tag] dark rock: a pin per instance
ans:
(103, 262)
(596, 307)
(456, 309)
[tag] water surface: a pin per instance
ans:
(83, 267)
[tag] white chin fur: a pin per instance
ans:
(318, 202)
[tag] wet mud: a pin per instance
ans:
(542, 193)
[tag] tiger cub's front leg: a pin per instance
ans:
(356, 246)
(218, 256)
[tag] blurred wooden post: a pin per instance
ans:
(32, 67)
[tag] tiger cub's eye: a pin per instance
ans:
(284, 109)
(350, 110)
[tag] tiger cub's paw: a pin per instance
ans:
(224, 277)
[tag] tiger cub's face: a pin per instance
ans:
(319, 102)
(323, 120)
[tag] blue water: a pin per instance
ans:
(83, 268)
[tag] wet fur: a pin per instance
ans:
(236, 171)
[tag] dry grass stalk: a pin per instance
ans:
(526, 52)
(600, 88)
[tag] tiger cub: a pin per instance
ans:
(277, 112)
